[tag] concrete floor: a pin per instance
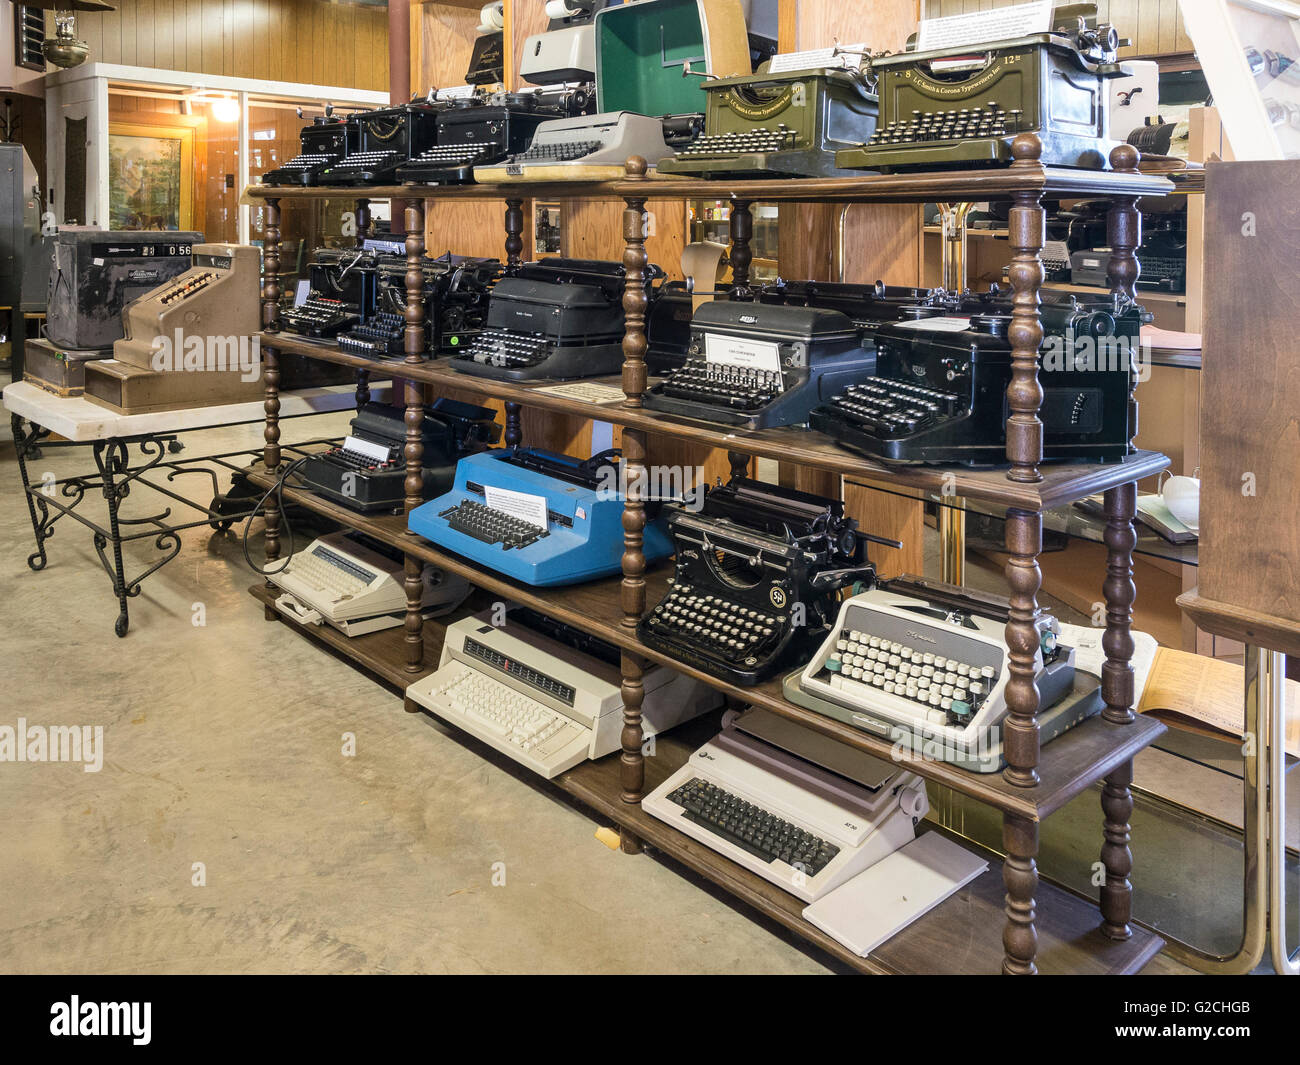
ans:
(223, 746)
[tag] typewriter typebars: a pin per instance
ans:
(456, 292)
(556, 318)
(341, 293)
(939, 394)
(327, 140)
(386, 139)
(538, 517)
(780, 125)
(367, 472)
(925, 665)
(760, 365)
(757, 569)
(949, 108)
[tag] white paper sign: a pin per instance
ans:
(521, 505)
(983, 27)
(750, 354)
(586, 391)
(938, 325)
(850, 58)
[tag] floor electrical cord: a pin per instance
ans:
(277, 490)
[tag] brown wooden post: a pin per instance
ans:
(739, 463)
(742, 256)
(415, 400)
(1116, 890)
(634, 298)
(1024, 541)
(271, 374)
(514, 234)
(1026, 228)
(1020, 877)
(363, 221)
(1124, 234)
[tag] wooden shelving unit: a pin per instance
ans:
(1042, 927)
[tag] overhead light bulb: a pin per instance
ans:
(225, 109)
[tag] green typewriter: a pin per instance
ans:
(781, 122)
(963, 107)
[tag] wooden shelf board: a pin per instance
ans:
(1068, 765)
(928, 187)
(1241, 623)
(962, 936)
(1061, 484)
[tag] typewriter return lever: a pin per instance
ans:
(832, 580)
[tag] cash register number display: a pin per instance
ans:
(546, 694)
(757, 570)
(925, 665)
(537, 517)
(367, 472)
(762, 365)
(939, 394)
(963, 107)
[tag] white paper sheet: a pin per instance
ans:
(983, 27)
(521, 505)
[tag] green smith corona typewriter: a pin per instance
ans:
(781, 122)
(963, 107)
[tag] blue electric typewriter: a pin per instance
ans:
(536, 516)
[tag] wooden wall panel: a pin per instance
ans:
(310, 41)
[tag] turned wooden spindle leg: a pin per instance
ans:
(1117, 891)
(633, 602)
(413, 452)
(514, 234)
(1124, 234)
(1026, 227)
(1024, 540)
(1020, 877)
(514, 431)
(634, 302)
(739, 463)
(271, 374)
(1117, 689)
(363, 221)
(742, 255)
(363, 388)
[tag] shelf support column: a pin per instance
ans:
(1117, 689)
(514, 251)
(742, 255)
(271, 375)
(632, 760)
(1026, 227)
(363, 231)
(1124, 234)
(1020, 876)
(414, 418)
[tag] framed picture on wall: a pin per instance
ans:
(154, 165)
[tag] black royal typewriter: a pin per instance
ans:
(368, 471)
(386, 139)
(341, 294)
(940, 391)
(963, 107)
(456, 294)
(477, 131)
(763, 365)
(327, 140)
(756, 577)
(555, 318)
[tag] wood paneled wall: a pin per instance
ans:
(1154, 26)
(309, 41)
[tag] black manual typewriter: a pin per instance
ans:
(963, 107)
(367, 472)
(476, 131)
(327, 140)
(386, 139)
(757, 572)
(555, 318)
(456, 294)
(940, 391)
(341, 293)
(763, 365)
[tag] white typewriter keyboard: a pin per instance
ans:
(514, 723)
(330, 574)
